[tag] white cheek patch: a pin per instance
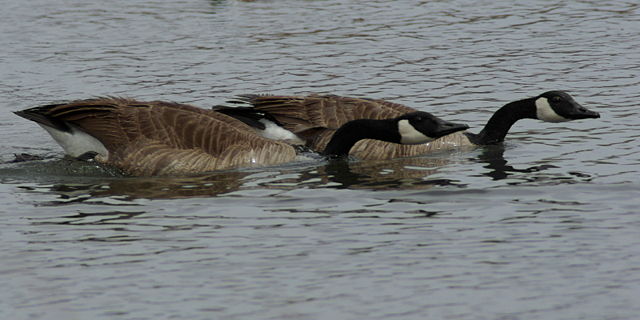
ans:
(409, 134)
(545, 113)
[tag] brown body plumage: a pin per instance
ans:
(315, 118)
(161, 138)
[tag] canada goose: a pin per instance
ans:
(315, 118)
(162, 138)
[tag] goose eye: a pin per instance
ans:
(556, 99)
(418, 118)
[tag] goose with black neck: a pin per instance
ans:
(314, 119)
(551, 106)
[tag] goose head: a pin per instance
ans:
(559, 106)
(421, 127)
(551, 106)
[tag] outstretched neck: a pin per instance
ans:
(501, 121)
(353, 131)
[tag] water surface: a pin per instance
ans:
(542, 227)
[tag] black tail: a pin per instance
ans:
(41, 116)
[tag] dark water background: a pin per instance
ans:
(544, 227)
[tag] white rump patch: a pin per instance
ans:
(77, 142)
(275, 132)
(409, 134)
(545, 113)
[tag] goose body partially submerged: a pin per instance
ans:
(165, 138)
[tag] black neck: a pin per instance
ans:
(499, 124)
(353, 131)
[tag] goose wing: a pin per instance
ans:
(327, 111)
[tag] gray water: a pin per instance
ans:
(544, 227)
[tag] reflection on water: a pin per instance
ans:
(493, 156)
(406, 173)
(397, 174)
(126, 189)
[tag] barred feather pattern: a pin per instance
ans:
(315, 118)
